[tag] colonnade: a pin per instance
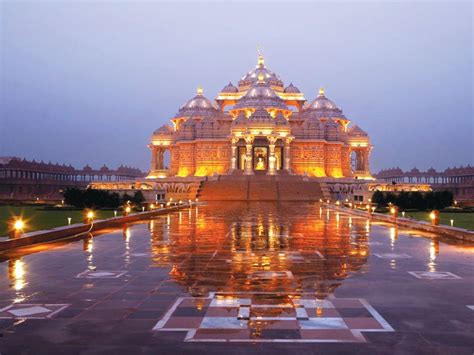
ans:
(272, 160)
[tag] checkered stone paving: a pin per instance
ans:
(392, 256)
(434, 275)
(261, 317)
(100, 274)
(31, 311)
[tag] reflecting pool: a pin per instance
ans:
(256, 276)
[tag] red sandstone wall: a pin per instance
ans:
(308, 157)
(212, 157)
(333, 160)
(346, 161)
(186, 159)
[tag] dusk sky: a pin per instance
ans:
(88, 82)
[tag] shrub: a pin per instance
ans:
(91, 198)
(415, 200)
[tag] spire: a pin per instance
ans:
(321, 91)
(199, 90)
(260, 60)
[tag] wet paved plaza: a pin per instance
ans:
(237, 277)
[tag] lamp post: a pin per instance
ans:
(394, 212)
(17, 226)
(434, 216)
(89, 217)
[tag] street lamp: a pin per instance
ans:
(17, 226)
(434, 216)
(89, 217)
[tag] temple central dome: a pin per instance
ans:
(252, 76)
(261, 95)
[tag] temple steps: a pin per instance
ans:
(299, 190)
(223, 190)
(260, 188)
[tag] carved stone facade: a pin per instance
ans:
(260, 127)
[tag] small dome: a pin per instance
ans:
(356, 131)
(230, 88)
(291, 89)
(104, 169)
(321, 106)
(199, 105)
(163, 130)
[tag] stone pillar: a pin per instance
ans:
(160, 159)
(287, 162)
(153, 157)
(233, 158)
(366, 160)
(248, 155)
(271, 159)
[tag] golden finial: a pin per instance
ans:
(199, 90)
(321, 91)
(260, 61)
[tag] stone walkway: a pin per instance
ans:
(237, 277)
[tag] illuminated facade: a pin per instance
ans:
(260, 127)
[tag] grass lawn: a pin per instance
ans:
(461, 219)
(37, 218)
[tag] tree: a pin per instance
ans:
(138, 197)
(91, 198)
(378, 198)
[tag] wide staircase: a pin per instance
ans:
(260, 188)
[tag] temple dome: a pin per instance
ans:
(229, 88)
(163, 130)
(199, 105)
(260, 70)
(323, 107)
(357, 131)
(291, 89)
(261, 95)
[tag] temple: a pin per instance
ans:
(261, 127)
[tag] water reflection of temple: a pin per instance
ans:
(253, 251)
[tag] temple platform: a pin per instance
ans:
(260, 188)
